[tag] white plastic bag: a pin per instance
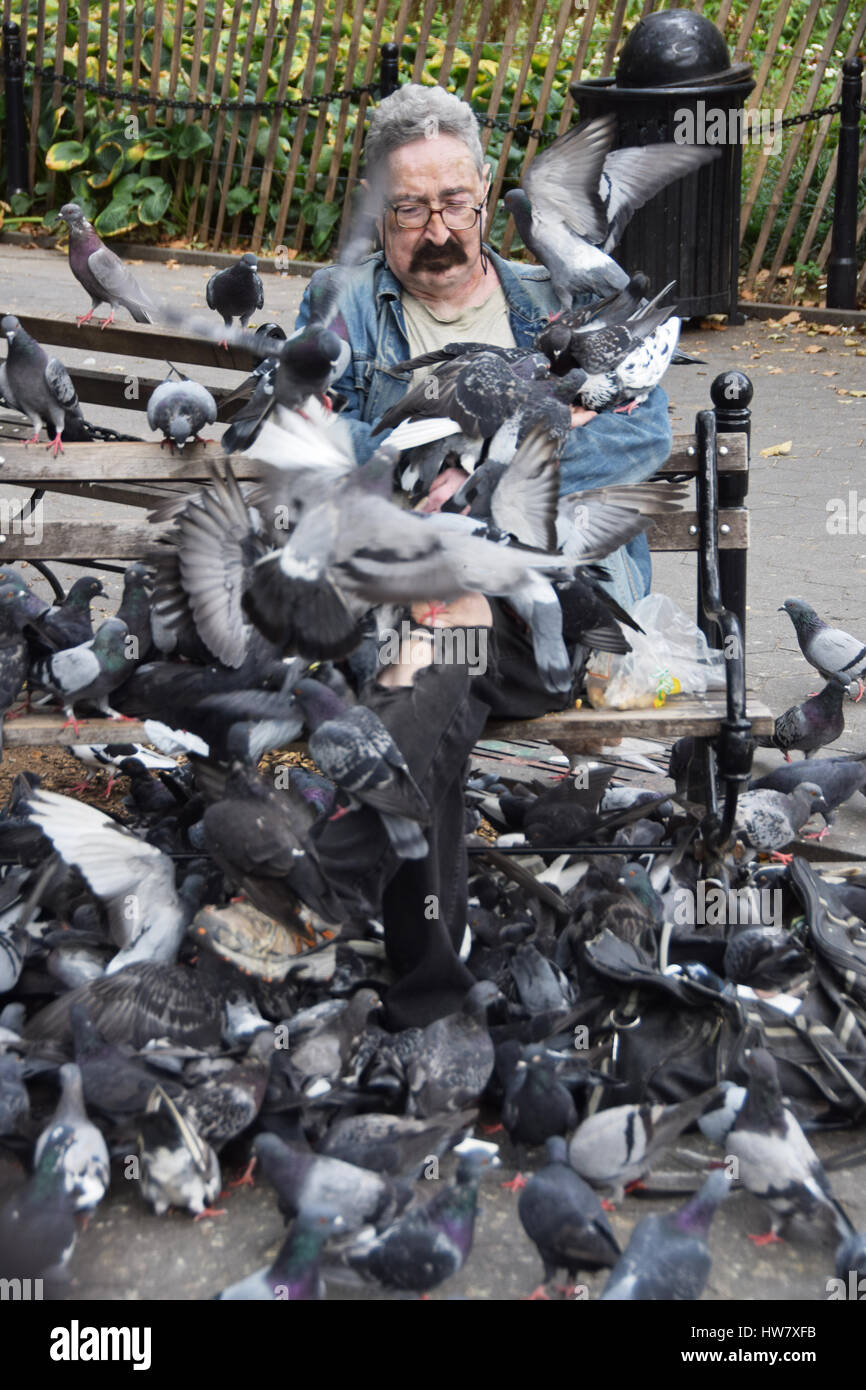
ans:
(670, 657)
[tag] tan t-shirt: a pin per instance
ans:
(479, 323)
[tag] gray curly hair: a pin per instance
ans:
(414, 112)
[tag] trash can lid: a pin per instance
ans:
(675, 48)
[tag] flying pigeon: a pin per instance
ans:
(830, 650)
(775, 1160)
(578, 196)
(181, 409)
(236, 292)
(37, 385)
(103, 275)
(667, 1258)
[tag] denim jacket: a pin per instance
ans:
(612, 448)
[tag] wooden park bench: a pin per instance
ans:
(145, 475)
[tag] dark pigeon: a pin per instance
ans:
(394, 1144)
(102, 274)
(806, 727)
(565, 1220)
(236, 292)
(69, 623)
(294, 1275)
(307, 364)
(37, 1223)
(14, 657)
(764, 958)
(454, 1057)
(537, 1105)
(38, 385)
(667, 1257)
(90, 671)
(838, 778)
(225, 1105)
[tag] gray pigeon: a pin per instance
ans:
(351, 746)
(775, 1160)
(771, 820)
(454, 1057)
(838, 778)
(85, 1162)
(90, 671)
(667, 1256)
(37, 385)
(236, 292)
(718, 1118)
(103, 275)
(181, 409)
(304, 1179)
(616, 1147)
(578, 196)
(830, 650)
(15, 607)
(813, 724)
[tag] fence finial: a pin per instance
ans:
(16, 139)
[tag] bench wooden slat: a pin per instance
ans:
(146, 340)
(97, 540)
(733, 454)
(111, 388)
(36, 730)
(673, 530)
(700, 715)
(30, 465)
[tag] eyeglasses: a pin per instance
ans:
(458, 217)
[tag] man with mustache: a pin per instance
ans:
(434, 282)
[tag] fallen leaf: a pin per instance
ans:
(779, 337)
(172, 265)
(831, 328)
(834, 373)
(775, 450)
(775, 371)
(861, 395)
(793, 317)
(861, 352)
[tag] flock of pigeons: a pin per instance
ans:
(188, 987)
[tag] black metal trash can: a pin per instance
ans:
(674, 78)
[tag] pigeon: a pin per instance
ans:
(396, 1145)
(763, 958)
(260, 378)
(227, 1104)
(135, 879)
(717, 1120)
(616, 1147)
(578, 196)
(85, 1162)
(37, 1224)
(454, 1058)
(667, 1257)
(771, 820)
(14, 659)
(69, 623)
(775, 1160)
(326, 1051)
(90, 671)
(307, 364)
(352, 747)
(304, 1179)
(565, 1220)
(813, 724)
(178, 1168)
(838, 778)
(294, 1275)
(555, 339)
(428, 1244)
(628, 384)
(102, 274)
(14, 1099)
(181, 409)
(236, 292)
(537, 1104)
(830, 650)
(37, 385)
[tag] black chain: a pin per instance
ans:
(522, 128)
(199, 106)
(811, 115)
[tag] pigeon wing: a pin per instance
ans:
(562, 184)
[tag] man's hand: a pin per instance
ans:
(579, 416)
(449, 481)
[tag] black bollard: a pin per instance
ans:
(842, 264)
(389, 80)
(731, 393)
(16, 134)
